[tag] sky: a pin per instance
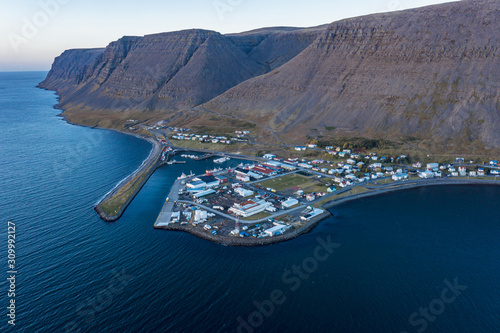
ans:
(34, 32)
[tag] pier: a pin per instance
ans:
(165, 215)
(111, 207)
(203, 157)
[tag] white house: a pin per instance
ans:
(432, 166)
(399, 176)
(310, 197)
(426, 174)
(331, 189)
(350, 177)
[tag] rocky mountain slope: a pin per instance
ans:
(431, 72)
(167, 71)
(428, 72)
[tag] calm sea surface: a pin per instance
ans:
(422, 260)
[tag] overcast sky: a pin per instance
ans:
(34, 32)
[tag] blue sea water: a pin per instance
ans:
(393, 256)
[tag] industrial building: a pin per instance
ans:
(249, 208)
(276, 230)
(289, 203)
(316, 212)
(243, 192)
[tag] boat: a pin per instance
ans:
(222, 159)
(211, 172)
(182, 176)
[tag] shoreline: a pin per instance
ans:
(250, 242)
(310, 225)
(413, 185)
(138, 136)
(149, 172)
(149, 159)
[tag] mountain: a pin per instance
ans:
(429, 73)
(166, 71)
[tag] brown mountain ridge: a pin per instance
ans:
(429, 72)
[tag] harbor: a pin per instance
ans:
(270, 199)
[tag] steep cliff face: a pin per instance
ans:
(248, 40)
(70, 67)
(165, 71)
(279, 48)
(428, 72)
(273, 47)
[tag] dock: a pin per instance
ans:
(203, 157)
(165, 215)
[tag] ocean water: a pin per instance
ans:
(425, 260)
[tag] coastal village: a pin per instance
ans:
(270, 196)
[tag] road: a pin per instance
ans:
(231, 217)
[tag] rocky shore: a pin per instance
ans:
(249, 241)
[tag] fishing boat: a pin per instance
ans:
(222, 159)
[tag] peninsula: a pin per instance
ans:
(274, 198)
(323, 114)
